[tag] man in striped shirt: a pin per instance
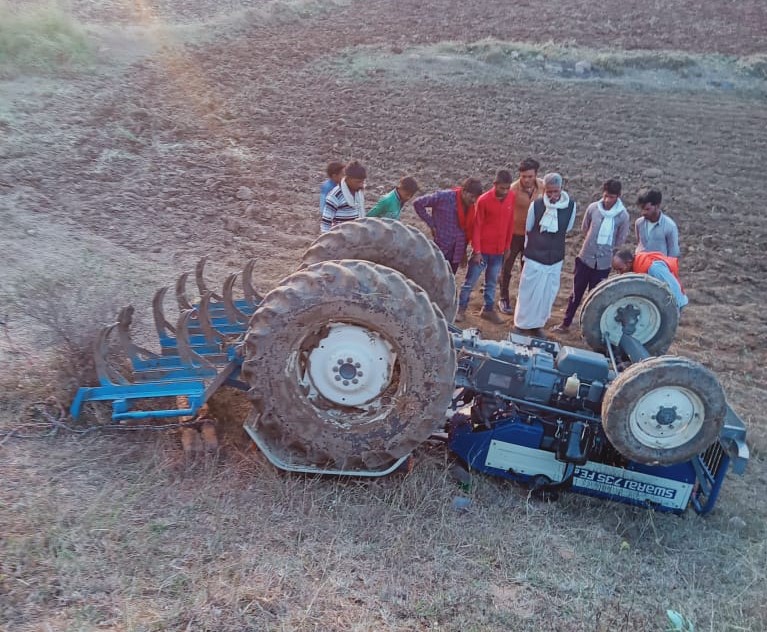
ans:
(346, 201)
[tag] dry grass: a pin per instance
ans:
(456, 61)
(40, 36)
(117, 533)
(64, 316)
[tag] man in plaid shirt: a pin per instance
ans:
(449, 214)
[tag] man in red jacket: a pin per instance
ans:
(491, 236)
(656, 265)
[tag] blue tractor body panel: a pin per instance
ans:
(514, 448)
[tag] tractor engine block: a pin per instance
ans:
(533, 372)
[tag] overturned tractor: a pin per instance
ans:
(352, 362)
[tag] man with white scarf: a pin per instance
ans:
(346, 201)
(606, 225)
(549, 219)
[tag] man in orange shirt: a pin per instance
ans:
(656, 265)
(491, 234)
(526, 189)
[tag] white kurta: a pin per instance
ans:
(538, 287)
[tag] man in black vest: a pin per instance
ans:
(549, 219)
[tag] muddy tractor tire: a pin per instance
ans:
(350, 367)
(390, 243)
(658, 315)
(663, 410)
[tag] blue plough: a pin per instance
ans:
(198, 355)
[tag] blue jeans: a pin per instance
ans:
(660, 270)
(491, 264)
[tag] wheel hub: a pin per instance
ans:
(633, 315)
(667, 417)
(350, 366)
(628, 317)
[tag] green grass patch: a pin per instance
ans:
(40, 38)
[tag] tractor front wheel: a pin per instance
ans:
(663, 410)
(649, 301)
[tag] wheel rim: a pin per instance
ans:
(648, 321)
(667, 417)
(349, 366)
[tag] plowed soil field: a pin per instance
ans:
(116, 177)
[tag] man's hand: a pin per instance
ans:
(476, 257)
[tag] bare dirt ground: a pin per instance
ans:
(115, 178)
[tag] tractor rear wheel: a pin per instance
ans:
(392, 244)
(649, 298)
(350, 367)
(663, 410)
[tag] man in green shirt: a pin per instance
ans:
(390, 205)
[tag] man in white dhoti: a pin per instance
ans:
(549, 219)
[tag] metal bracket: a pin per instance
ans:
(308, 469)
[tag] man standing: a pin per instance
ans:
(526, 189)
(655, 231)
(335, 171)
(451, 218)
(491, 234)
(548, 221)
(390, 205)
(606, 225)
(346, 201)
(655, 264)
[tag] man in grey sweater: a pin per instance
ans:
(606, 225)
(655, 231)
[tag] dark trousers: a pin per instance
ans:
(585, 278)
(449, 254)
(515, 250)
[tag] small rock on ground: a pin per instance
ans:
(245, 193)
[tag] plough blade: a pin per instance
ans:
(199, 276)
(198, 353)
(181, 298)
(233, 313)
(252, 297)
